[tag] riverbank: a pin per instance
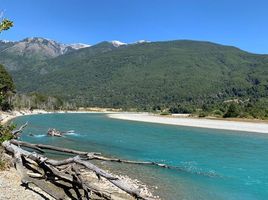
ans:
(7, 116)
(10, 181)
(11, 188)
(236, 124)
(184, 120)
(205, 158)
(179, 119)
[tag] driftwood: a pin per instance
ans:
(35, 168)
(17, 132)
(53, 132)
(26, 144)
(89, 155)
(99, 157)
(50, 147)
(57, 133)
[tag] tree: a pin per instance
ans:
(6, 89)
(5, 25)
(6, 83)
(180, 109)
(232, 111)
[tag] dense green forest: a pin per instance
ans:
(10, 100)
(6, 89)
(175, 76)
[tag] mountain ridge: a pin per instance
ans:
(148, 74)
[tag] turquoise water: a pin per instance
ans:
(211, 164)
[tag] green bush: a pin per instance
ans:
(6, 133)
(180, 109)
(233, 111)
(202, 114)
(218, 112)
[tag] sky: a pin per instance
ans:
(240, 23)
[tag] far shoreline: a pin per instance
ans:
(233, 124)
(183, 120)
(6, 117)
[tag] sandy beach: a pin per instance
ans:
(7, 116)
(257, 127)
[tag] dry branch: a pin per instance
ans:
(18, 161)
(97, 157)
(66, 179)
(26, 144)
(50, 147)
(89, 155)
(18, 131)
(90, 187)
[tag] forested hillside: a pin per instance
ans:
(6, 88)
(186, 76)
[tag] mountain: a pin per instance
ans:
(146, 75)
(18, 55)
(37, 47)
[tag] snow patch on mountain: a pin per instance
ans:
(6, 41)
(141, 41)
(77, 46)
(117, 43)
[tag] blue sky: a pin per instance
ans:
(241, 23)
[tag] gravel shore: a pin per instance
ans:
(257, 127)
(11, 189)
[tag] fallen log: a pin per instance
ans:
(44, 185)
(50, 147)
(89, 155)
(99, 191)
(26, 144)
(67, 179)
(97, 157)
(25, 179)
(114, 180)
(19, 131)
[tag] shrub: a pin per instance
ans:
(232, 111)
(202, 114)
(217, 112)
(6, 133)
(3, 164)
(180, 109)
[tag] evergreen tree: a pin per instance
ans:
(232, 111)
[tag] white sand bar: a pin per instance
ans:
(259, 127)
